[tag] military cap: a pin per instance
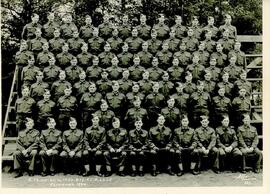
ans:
(204, 117)
(72, 119)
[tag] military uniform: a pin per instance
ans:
(192, 43)
(134, 113)
(146, 58)
(226, 137)
(72, 141)
(114, 72)
(166, 88)
(155, 73)
(56, 45)
(197, 30)
(240, 105)
(73, 72)
(116, 101)
(189, 88)
(144, 31)
(43, 58)
(248, 137)
(124, 31)
(165, 58)
(29, 30)
(180, 31)
(145, 86)
(63, 59)
(207, 139)
(48, 29)
(240, 57)
(181, 102)
(210, 45)
(134, 44)
(154, 45)
(21, 57)
(215, 72)
(75, 45)
(96, 44)
(162, 31)
(29, 74)
(209, 86)
(104, 86)
(26, 140)
(105, 118)
(136, 72)
(36, 45)
(45, 109)
(93, 72)
(84, 60)
(67, 106)
(89, 103)
(154, 102)
(37, 90)
(240, 83)
(24, 108)
(197, 71)
(221, 59)
(115, 43)
(184, 57)
(80, 88)
(86, 32)
(232, 30)
(125, 85)
(172, 116)
(234, 72)
(221, 106)
(50, 139)
(227, 44)
(125, 59)
(173, 44)
(105, 30)
(68, 29)
(211, 28)
(228, 88)
(176, 73)
(105, 59)
(204, 56)
(130, 96)
(58, 88)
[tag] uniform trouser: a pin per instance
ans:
(196, 115)
(162, 157)
(48, 162)
(234, 158)
(213, 154)
(63, 120)
(120, 158)
(93, 157)
(137, 157)
(185, 154)
(256, 154)
(20, 159)
(20, 119)
(71, 164)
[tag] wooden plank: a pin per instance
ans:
(254, 79)
(249, 38)
(10, 138)
(257, 116)
(254, 55)
(7, 158)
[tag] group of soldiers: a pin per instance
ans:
(118, 96)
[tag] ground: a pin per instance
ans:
(207, 178)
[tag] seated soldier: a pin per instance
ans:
(93, 72)
(175, 71)
(227, 144)
(94, 143)
(134, 42)
(84, 58)
(117, 142)
(24, 107)
(56, 42)
(161, 28)
(143, 29)
(29, 72)
(115, 41)
(180, 30)
(51, 72)
(139, 146)
(161, 151)
(89, 103)
(185, 143)
(44, 56)
(114, 71)
(72, 148)
(207, 144)
(50, 146)
(68, 27)
(125, 57)
(248, 142)
(37, 89)
(26, 148)
(106, 57)
(63, 59)
(105, 116)
(136, 70)
(87, 29)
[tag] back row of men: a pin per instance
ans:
(172, 150)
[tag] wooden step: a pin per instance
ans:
(10, 138)
(7, 158)
(11, 122)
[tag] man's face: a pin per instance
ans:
(137, 103)
(228, 20)
(185, 122)
(134, 33)
(104, 75)
(107, 48)
(196, 59)
(75, 34)
(82, 75)
(219, 48)
(165, 77)
(25, 92)
(233, 60)
(211, 21)
(92, 88)
(39, 76)
(179, 88)
(95, 61)
(74, 62)
(225, 34)
(246, 120)
(116, 124)
(243, 75)
(221, 92)
(190, 32)
(115, 87)
(68, 19)
(51, 124)
(205, 122)
(165, 46)
(242, 92)
(95, 32)
(155, 88)
(29, 124)
(23, 46)
(46, 95)
(202, 46)
(225, 77)
(115, 32)
(136, 61)
(38, 33)
(56, 33)
(67, 91)
(172, 34)
(208, 35)
(138, 124)
(126, 74)
(31, 61)
(135, 88)
(237, 46)
(143, 19)
(195, 22)
(154, 35)
(35, 19)
(171, 103)
(161, 120)
(155, 62)
(51, 17)
(115, 61)
(207, 76)
(62, 76)
(161, 19)
(125, 19)
(145, 46)
(125, 48)
(88, 21)
(183, 47)
(45, 47)
(104, 106)
(95, 121)
(200, 87)
(178, 20)
(175, 62)
(213, 62)
(65, 48)
(145, 75)
(188, 77)
(225, 122)
(73, 124)
(84, 48)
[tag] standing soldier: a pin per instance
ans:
(67, 106)
(233, 70)
(73, 71)
(89, 103)
(94, 71)
(145, 83)
(164, 56)
(37, 42)
(210, 27)
(45, 109)
(56, 42)
(196, 27)
(139, 145)
(44, 56)
(106, 57)
(50, 146)
(136, 70)
(191, 41)
(166, 86)
(242, 82)
(81, 86)
(183, 55)
(133, 94)
(203, 54)
(171, 114)
(180, 30)
(207, 144)
(50, 26)
(68, 27)
(105, 28)
(220, 56)
(196, 68)
(161, 28)
(29, 30)
(173, 42)
(75, 43)
(22, 55)
(51, 72)
(221, 106)
(115, 41)
(24, 107)
(210, 44)
(227, 144)
(105, 116)
(154, 44)
(200, 102)
(226, 42)
(84, 58)
(215, 71)
(37, 89)
(117, 142)
(104, 84)
(181, 100)
(125, 28)
(72, 148)
(209, 85)
(95, 43)
(114, 71)
(160, 138)
(94, 143)
(185, 143)
(29, 72)
(226, 84)
(155, 72)
(87, 29)
(189, 87)
(240, 55)
(248, 142)
(145, 55)
(116, 100)
(154, 101)
(228, 26)
(143, 28)
(135, 112)
(125, 57)
(64, 58)
(59, 86)
(26, 148)
(125, 83)
(134, 42)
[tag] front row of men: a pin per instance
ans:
(172, 151)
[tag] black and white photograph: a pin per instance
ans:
(132, 93)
